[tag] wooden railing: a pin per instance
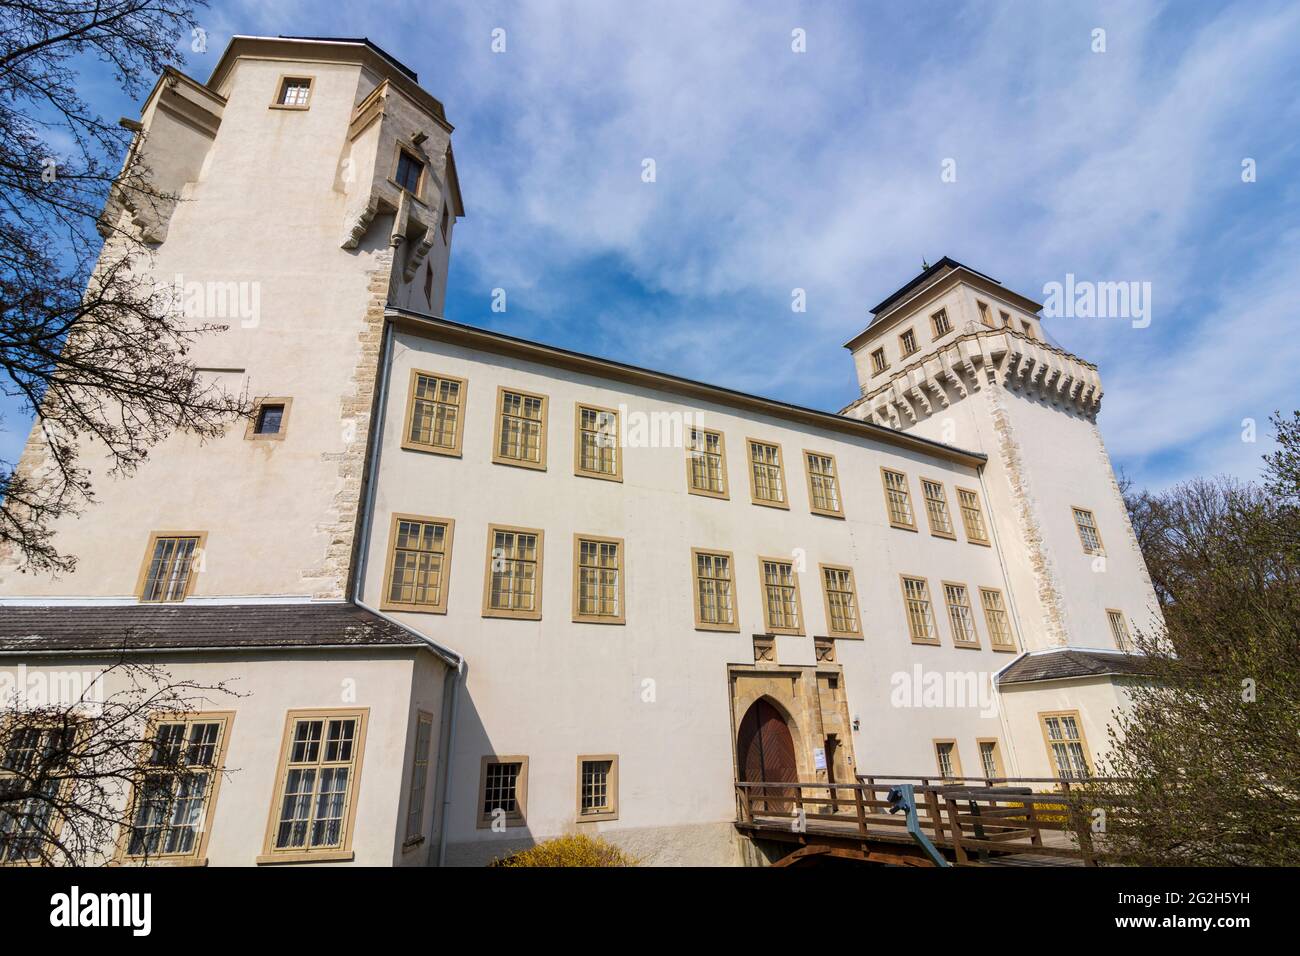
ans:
(974, 819)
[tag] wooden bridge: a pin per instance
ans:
(972, 821)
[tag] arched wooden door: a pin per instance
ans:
(765, 754)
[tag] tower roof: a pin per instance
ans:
(926, 276)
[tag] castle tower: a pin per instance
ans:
(955, 356)
(315, 185)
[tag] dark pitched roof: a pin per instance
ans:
(1070, 662)
(63, 629)
(365, 41)
(933, 272)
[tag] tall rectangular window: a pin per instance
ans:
(959, 615)
(781, 610)
(706, 463)
(419, 777)
(939, 324)
(945, 755)
(878, 361)
(503, 791)
(995, 617)
(514, 573)
(598, 580)
(409, 172)
(596, 451)
(840, 595)
(32, 754)
(175, 795)
(419, 555)
(598, 787)
(521, 429)
(920, 615)
(936, 509)
(435, 418)
(1119, 630)
(1065, 744)
(985, 315)
(898, 500)
(170, 565)
(317, 786)
(766, 474)
(1089, 536)
(990, 758)
(715, 590)
(972, 516)
(823, 484)
(907, 342)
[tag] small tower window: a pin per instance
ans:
(446, 221)
(295, 92)
(878, 363)
(409, 172)
(908, 341)
(940, 323)
(985, 316)
(269, 418)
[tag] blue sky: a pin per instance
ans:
(821, 170)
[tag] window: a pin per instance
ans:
(907, 341)
(1065, 744)
(1119, 630)
(995, 617)
(991, 758)
(514, 573)
(781, 609)
(898, 500)
(320, 765)
(409, 172)
(419, 558)
(31, 755)
(823, 484)
(939, 324)
(1029, 329)
(1006, 319)
(503, 792)
(445, 223)
(1089, 536)
(173, 800)
(878, 362)
(598, 580)
(435, 419)
(959, 615)
(985, 315)
(596, 453)
(936, 509)
(706, 464)
(920, 616)
(270, 419)
(294, 92)
(170, 564)
(945, 755)
(419, 778)
(715, 590)
(840, 594)
(521, 429)
(598, 787)
(972, 516)
(766, 474)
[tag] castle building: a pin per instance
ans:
(476, 591)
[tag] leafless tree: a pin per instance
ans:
(110, 767)
(89, 346)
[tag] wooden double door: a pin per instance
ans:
(765, 754)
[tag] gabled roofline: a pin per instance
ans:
(500, 343)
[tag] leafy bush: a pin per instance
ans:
(573, 850)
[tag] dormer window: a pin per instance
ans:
(939, 322)
(409, 172)
(908, 342)
(878, 363)
(295, 92)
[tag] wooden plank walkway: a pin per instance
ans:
(999, 822)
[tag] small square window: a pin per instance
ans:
(270, 419)
(409, 172)
(878, 361)
(503, 791)
(940, 325)
(295, 92)
(908, 342)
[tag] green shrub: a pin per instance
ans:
(574, 850)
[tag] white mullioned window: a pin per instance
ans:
(715, 593)
(417, 564)
(1089, 536)
(898, 499)
(972, 516)
(170, 566)
(959, 614)
(945, 755)
(35, 761)
(823, 484)
(1065, 744)
(841, 601)
(936, 508)
(766, 473)
(521, 429)
(294, 91)
(706, 463)
(781, 596)
(598, 451)
(419, 776)
(318, 783)
(920, 615)
(1119, 630)
(995, 617)
(514, 573)
(598, 579)
(434, 420)
(172, 802)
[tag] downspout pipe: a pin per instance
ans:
(455, 663)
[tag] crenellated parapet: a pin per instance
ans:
(974, 358)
